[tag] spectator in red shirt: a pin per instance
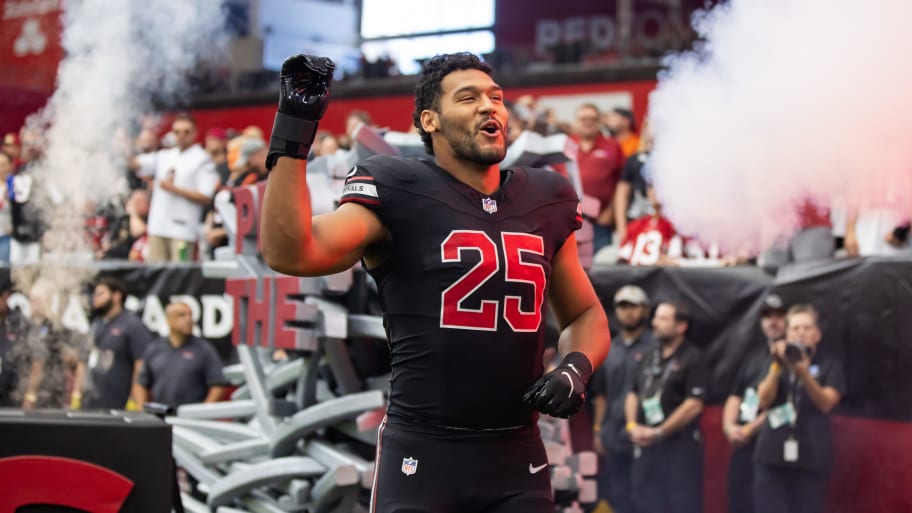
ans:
(653, 240)
(600, 161)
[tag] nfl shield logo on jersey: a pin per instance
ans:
(409, 466)
(489, 205)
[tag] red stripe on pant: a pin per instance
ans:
(373, 500)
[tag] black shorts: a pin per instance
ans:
(421, 470)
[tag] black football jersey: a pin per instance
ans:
(463, 286)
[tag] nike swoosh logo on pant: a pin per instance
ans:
(536, 470)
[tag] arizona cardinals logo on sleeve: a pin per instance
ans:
(360, 188)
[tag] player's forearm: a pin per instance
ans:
(78, 384)
(588, 334)
(769, 387)
(214, 395)
(36, 374)
(751, 428)
(599, 408)
(631, 403)
(682, 416)
(194, 196)
(140, 395)
(135, 388)
(825, 399)
(285, 221)
(730, 411)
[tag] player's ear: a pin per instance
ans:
(430, 122)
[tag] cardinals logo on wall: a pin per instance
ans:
(30, 44)
(51, 480)
(31, 40)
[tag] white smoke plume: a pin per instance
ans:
(120, 58)
(783, 101)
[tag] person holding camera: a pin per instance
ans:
(793, 457)
(741, 416)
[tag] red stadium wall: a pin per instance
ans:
(27, 72)
(869, 476)
(395, 112)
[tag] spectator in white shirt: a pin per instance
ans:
(184, 180)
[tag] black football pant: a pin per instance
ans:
(420, 470)
(614, 480)
(788, 490)
(741, 480)
(667, 477)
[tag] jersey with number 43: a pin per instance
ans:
(463, 286)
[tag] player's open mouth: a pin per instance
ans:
(490, 128)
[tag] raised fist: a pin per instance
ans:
(305, 86)
(303, 97)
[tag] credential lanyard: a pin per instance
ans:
(647, 386)
(794, 398)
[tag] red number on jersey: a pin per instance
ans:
(515, 245)
(452, 312)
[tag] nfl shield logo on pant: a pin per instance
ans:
(409, 466)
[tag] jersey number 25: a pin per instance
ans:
(454, 314)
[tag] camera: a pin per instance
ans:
(795, 350)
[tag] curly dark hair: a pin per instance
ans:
(114, 284)
(427, 92)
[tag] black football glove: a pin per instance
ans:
(561, 392)
(303, 98)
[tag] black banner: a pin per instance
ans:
(864, 307)
(150, 288)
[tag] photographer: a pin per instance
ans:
(741, 416)
(794, 456)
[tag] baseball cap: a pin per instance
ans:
(218, 133)
(772, 303)
(631, 294)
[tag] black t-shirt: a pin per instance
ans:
(58, 349)
(632, 174)
(812, 426)
(121, 239)
(750, 374)
(681, 376)
(118, 344)
(613, 380)
(180, 375)
(12, 332)
(26, 194)
(463, 286)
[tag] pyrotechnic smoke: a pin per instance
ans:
(119, 56)
(784, 100)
